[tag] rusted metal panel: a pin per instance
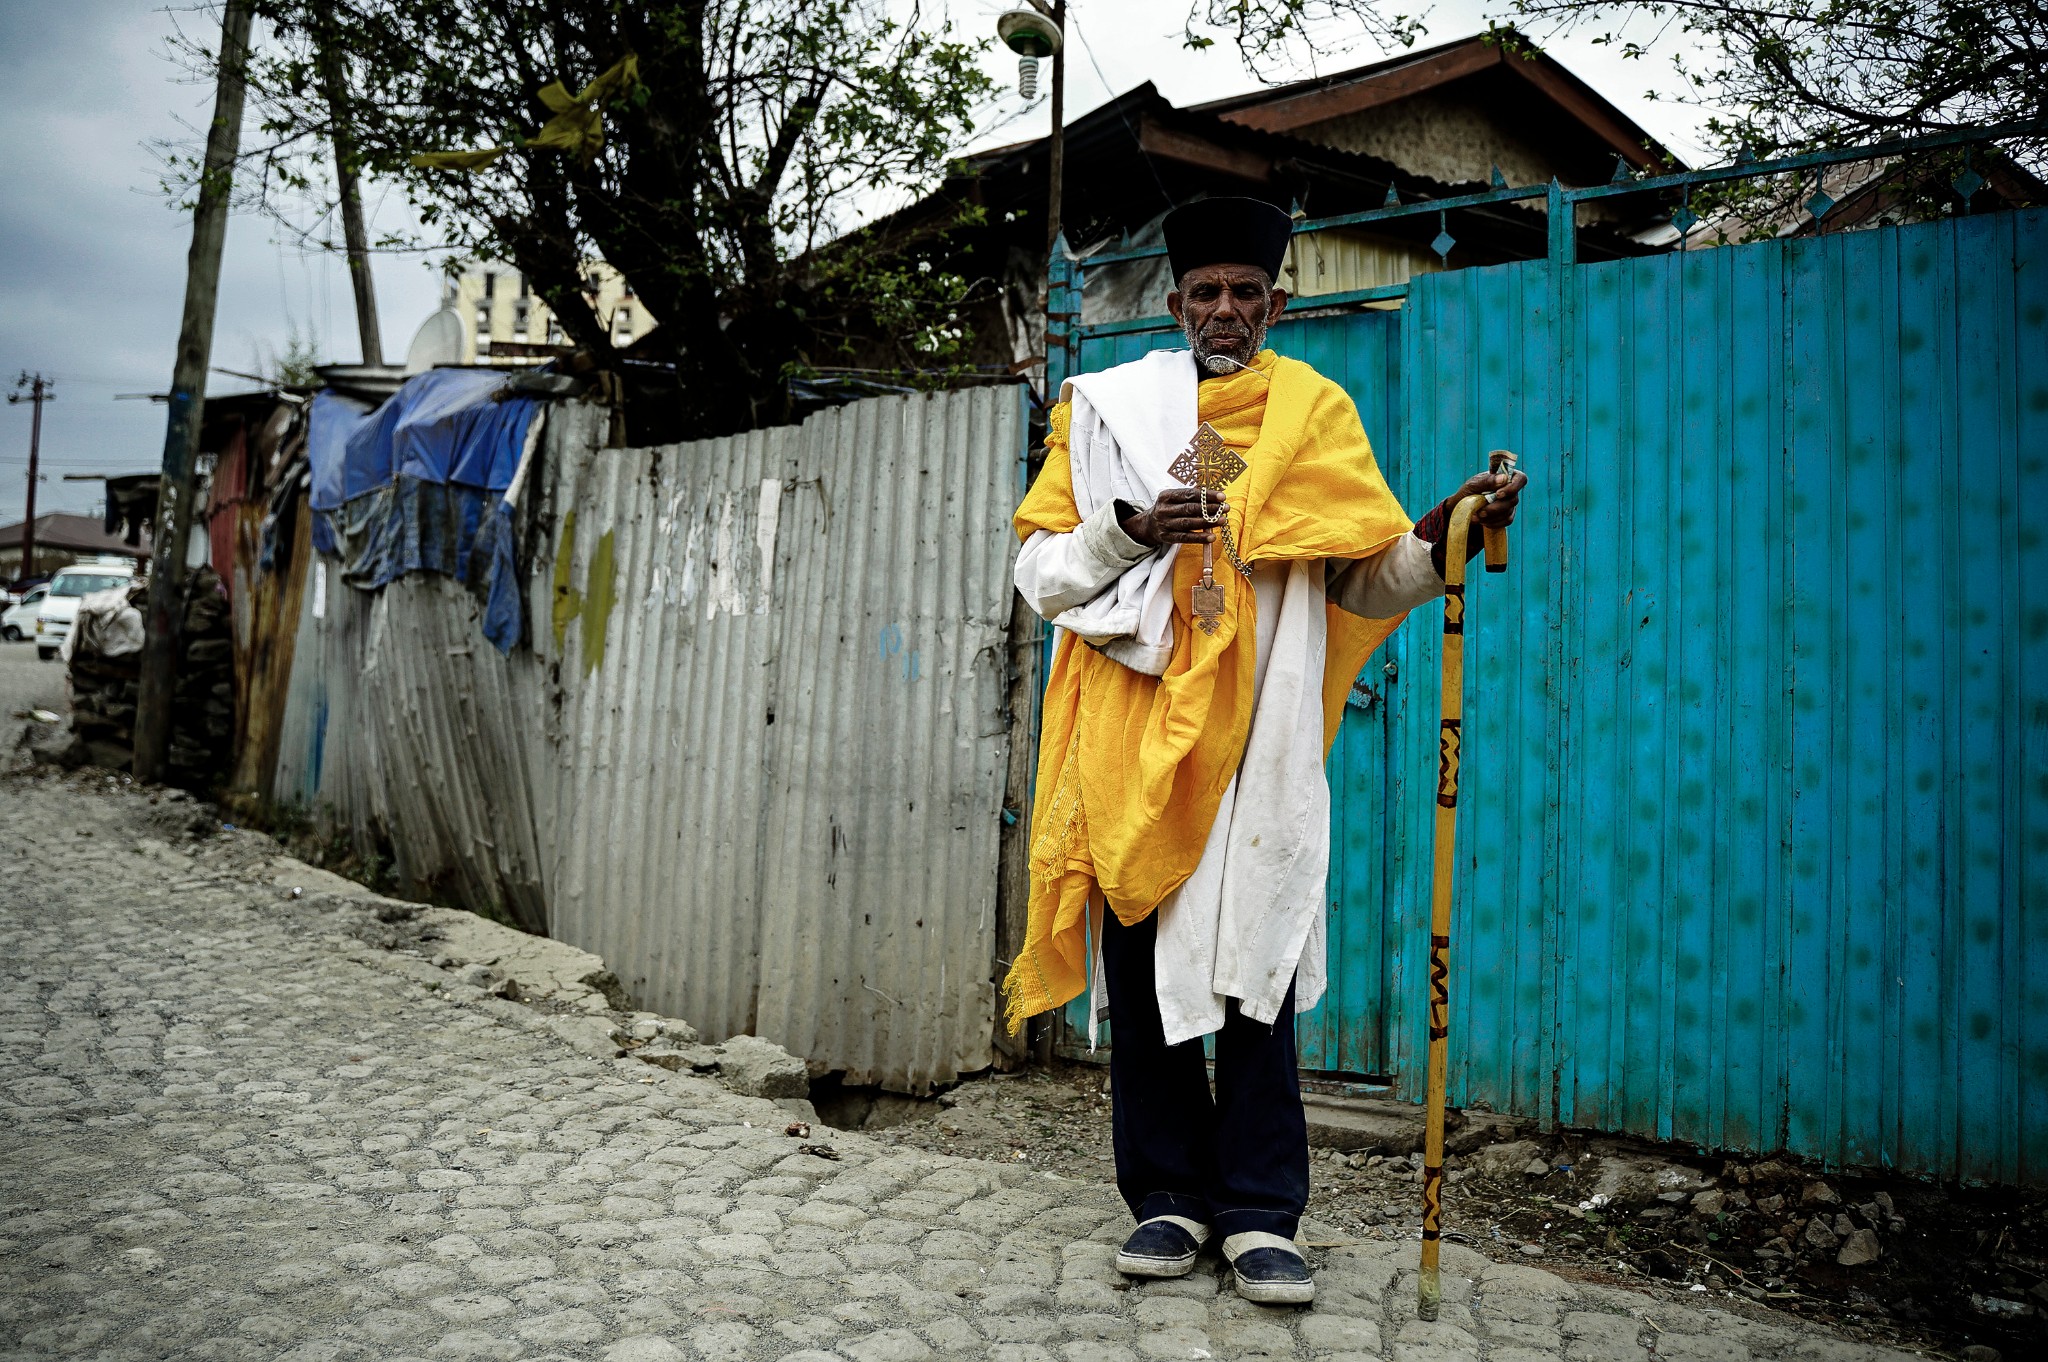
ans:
(755, 755)
(266, 610)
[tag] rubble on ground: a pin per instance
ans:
(584, 1001)
(759, 1068)
(1968, 1261)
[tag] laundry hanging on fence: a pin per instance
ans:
(410, 486)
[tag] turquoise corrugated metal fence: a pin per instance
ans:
(1755, 849)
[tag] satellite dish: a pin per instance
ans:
(438, 341)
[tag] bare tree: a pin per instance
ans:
(1278, 38)
(1793, 75)
(1778, 77)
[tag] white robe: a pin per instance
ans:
(1250, 920)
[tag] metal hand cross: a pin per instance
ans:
(1210, 465)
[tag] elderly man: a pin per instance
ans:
(1217, 546)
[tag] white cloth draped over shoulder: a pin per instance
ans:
(1250, 921)
(1124, 428)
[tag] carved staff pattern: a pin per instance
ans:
(1447, 765)
(1439, 987)
(1432, 1203)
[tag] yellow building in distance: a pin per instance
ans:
(505, 322)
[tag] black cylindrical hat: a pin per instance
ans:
(1227, 232)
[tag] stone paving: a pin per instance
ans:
(231, 1129)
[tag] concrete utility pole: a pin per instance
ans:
(163, 622)
(334, 87)
(36, 389)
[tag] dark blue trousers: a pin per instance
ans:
(1236, 1160)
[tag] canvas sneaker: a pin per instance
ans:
(1268, 1269)
(1164, 1246)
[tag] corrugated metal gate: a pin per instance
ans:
(1755, 848)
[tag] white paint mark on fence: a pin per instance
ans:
(764, 540)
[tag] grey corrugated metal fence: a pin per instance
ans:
(407, 728)
(755, 755)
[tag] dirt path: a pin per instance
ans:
(1956, 1268)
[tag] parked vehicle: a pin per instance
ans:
(18, 621)
(67, 587)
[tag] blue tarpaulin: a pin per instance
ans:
(443, 426)
(334, 419)
(408, 487)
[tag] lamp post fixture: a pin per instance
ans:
(1034, 33)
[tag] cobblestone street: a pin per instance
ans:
(234, 1129)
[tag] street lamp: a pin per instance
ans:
(1033, 33)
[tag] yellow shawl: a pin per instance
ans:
(1131, 767)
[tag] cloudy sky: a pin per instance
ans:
(92, 275)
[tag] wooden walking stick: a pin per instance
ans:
(1429, 1285)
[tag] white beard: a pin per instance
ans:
(1222, 364)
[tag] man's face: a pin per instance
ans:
(1225, 310)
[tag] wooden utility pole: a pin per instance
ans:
(174, 514)
(334, 87)
(36, 389)
(1033, 37)
(1056, 150)
(1056, 178)
(1035, 34)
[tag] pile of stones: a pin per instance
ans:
(103, 699)
(105, 691)
(203, 700)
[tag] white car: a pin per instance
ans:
(60, 607)
(18, 621)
